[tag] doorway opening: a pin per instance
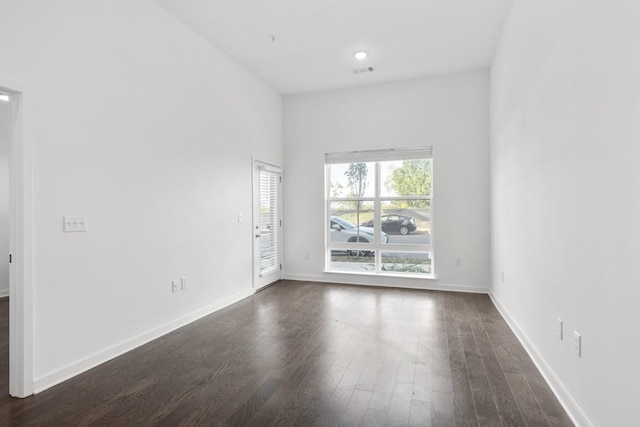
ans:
(267, 224)
(6, 119)
(16, 179)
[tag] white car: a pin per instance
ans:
(342, 231)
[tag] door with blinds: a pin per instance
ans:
(267, 224)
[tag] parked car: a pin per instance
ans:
(394, 224)
(342, 231)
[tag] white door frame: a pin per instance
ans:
(256, 164)
(20, 242)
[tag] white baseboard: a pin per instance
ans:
(576, 413)
(408, 283)
(76, 368)
(4, 293)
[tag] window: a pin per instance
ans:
(268, 221)
(379, 212)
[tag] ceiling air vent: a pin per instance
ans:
(363, 70)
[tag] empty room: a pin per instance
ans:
(356, 213)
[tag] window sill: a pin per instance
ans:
(385, 274)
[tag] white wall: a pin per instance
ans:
(149, 131)
(450, 113)
(5, 133)
(565, 206)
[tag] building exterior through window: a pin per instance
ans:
(379, 212)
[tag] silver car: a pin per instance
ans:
(342, 231)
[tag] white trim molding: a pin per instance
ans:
(76, 368)
(574, 411)
(4, 294)
(20, 241)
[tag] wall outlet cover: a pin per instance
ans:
(559, 328)
(577, 343)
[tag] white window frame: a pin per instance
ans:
(376, 157)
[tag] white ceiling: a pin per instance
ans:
(315, 39)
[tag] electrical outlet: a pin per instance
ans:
(458, 262)
(239, 216)
(577, 343)
(175, 286)
(503, 276)
(183, 283)
(306, 256)
(559, 328)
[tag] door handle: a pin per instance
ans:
(257, 236)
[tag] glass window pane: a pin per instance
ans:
(352, 180)
(407, 221)
(268, 221)
(397, 216)
(353, 261)
(406, 262)
(350, 222)
(405, 178)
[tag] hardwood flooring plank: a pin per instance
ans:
(483, 397)
(383, 389)
(503, 407)
(422, 385)
(442, 412)
(552, 409)
(374, 418)
(357, 407)
(259, 421)
(463, 404)
(439, 350)
(249, 409)
(420, 414)
(371, 371)
(305, 354)
(313, 394)
(400, 405)
(507, 359)
(526, 400)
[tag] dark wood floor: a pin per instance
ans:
(313, 354)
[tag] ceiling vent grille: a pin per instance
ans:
(363, 70)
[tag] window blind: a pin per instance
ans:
(268, 220)
(379, 155)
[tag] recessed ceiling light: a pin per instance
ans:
(361, 54)
(4, 98)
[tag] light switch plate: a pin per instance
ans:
(74, 223)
